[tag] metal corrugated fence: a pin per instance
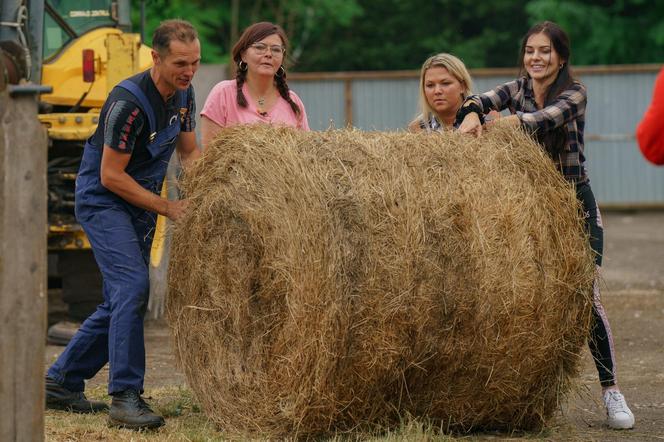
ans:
(617, 98)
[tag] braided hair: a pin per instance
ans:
(284, 91)
(254, 33)
(240, 78)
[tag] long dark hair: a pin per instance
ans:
(553, 141)
(251, 35)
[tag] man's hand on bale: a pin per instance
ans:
(176, 209)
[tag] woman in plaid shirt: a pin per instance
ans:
(550, 104)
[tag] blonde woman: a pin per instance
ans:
(444, 85)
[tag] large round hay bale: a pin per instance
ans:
(340, 280)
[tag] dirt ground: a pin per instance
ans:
(633, 296)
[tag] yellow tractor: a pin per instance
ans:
(86, 50)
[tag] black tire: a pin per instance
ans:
(81, 282)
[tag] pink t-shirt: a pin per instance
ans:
(221, 107)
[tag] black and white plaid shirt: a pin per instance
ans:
(433, 124)
(568, 109)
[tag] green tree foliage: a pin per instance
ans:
(607, 32)
(301, 19)
(203, 14)
(396, 34)
(337, 35)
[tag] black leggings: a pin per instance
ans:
(600, 340)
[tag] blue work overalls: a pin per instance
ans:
(121, 236)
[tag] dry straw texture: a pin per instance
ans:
(335, 281)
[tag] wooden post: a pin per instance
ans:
(348, 101)
(23, 230)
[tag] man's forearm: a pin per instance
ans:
(124, 186)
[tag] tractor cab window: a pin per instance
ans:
(83, 15)
(66, 19)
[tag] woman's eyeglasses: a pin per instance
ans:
(262, 48)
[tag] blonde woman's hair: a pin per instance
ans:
(455, 67)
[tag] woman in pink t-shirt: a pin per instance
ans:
(259, 93)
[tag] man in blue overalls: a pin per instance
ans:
(144, 119)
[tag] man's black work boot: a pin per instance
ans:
(59, 398)
(129, 410)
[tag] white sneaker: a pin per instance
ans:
(619, 416)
